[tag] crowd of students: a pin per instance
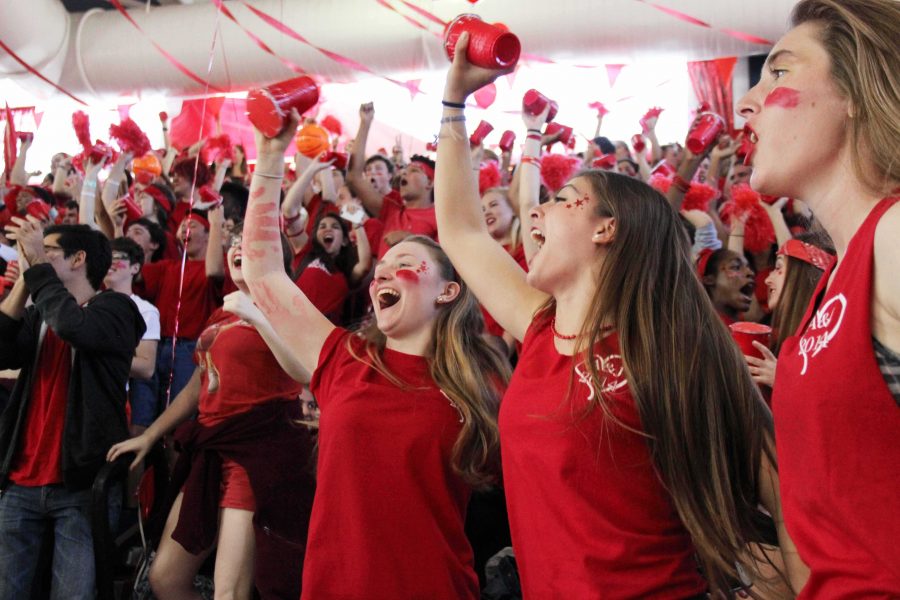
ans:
(342, 359)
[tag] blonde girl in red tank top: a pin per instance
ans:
(632, 435)
(826, 121)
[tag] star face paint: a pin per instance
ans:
(783, 97)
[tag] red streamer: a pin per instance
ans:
(37, 73)
(265, 48)
(174, 61)
(428, 15)
(745, 37)
(415, 23)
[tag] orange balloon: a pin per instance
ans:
(312, 140)
(148, 163)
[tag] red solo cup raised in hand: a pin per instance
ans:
(480, 133)
(745, 333)
(340, 160)
(704, 132)
(664, 169)
(637, 142)
(507, 140)
(490, 46)
(268, 108)
(534, 102)
(553, 128)
(25, 136)
(606, 161)
(133, 211)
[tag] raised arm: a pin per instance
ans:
(88, 200)
(493, 275)
(363, 253)
(782, 232)
(215, 254)
(302, 327)
(529, 173)
(356, 178)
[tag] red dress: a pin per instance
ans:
(589, 517)
(837, 429)
(388, 517)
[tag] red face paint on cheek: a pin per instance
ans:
(783, 97)
(407, 275)
(422, 268)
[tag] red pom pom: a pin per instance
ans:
(209, 197)
(130, 137)
(653, 113)
(698, 197)
(488, 176)
(163, 117)
(660, 183)
(82, 125)
(759, 234)
(599, 107)
(557, 169)
(218, 148)
(332, 124)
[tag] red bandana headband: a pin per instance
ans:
(807, 253)
(702, 261)
(425, 167)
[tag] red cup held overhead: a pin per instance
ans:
(507, 140)
(566, 134)
(481, 132)
(638, 143)
(534, 102)
(490, 46)
(704, 132)
(269, 107)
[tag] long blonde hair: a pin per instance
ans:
(468, 370)
(860, 37)
(703, 418)
(515, 227)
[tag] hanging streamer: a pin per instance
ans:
(37, 73)
(290, 65)
(745, 37)
(415, 23)
(174, 61)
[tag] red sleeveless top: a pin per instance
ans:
(837, 430)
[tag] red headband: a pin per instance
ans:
(807, 253)
(199, 218)
(426, 168)
(158, 196)
(702, 261)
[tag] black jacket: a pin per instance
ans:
(103, 335)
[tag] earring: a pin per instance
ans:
(441, 299)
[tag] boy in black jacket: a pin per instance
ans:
(74, 347)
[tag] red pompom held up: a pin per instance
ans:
(163, 117)
(488, 176)
(758, 231)
(660, 183)
(130, 137)
(209, 198)
(652, 114)
(557, 169)
(332, 124)
(219, 148)
(698, 196)
(82, 125)
(599, 107)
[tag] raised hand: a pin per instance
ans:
(464, 78)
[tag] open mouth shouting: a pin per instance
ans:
(749, 145)
(387, 297)
(538, 236)
(746, 294)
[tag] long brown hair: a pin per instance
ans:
(704, 421)
(468, 370)
(860, 37)
(515, 227)
(800, 281)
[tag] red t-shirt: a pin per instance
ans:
(388, 517)
(837, 428)
(396, 216)
(39, 462)
(490, 325)
(199, 298)
(589, 517)
(238, 371)
(327, 291)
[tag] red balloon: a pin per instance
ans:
(486, 95)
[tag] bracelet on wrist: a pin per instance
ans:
(531, 160)
(448, 104)
(453, 119)
(294, 219)
(532, 136)
(267, 175)
(532, 130)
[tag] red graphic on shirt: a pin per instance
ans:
(611, 370)
(784, 97)
(822, 329)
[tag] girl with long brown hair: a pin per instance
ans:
(633, 438)
(831, 87)
(408, 412)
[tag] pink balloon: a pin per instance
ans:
(486, 95)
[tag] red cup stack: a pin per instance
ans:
(269, 107)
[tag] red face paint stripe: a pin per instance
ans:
(784, 97)
(408, 275)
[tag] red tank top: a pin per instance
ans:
(837, 430)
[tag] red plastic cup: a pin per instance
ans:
(704, 132)
(269, 107)
(480, 133)
(553, 128)
(745, 333)
(507, 140)
(490, 46)
(133, 211)
(340, 160)
(534, 102)
(606, 161)
(25, 136)
(638, 143)
(665, 169)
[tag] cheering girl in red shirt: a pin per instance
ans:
(408, 408)
(633, 438)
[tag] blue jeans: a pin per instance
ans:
(180, 370)
(25, 513)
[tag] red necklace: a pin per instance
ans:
(557, 334)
